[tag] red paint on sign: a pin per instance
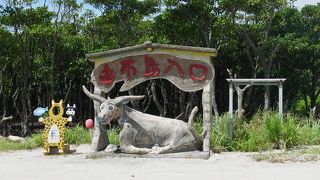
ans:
(107, 75)
(136, 69)
(198, 66)
(152, 68)
(127, 67)
(173, 63)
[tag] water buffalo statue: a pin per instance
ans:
(144, 133)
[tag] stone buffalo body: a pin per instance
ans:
(144, 133)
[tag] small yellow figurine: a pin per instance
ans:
(53, 134)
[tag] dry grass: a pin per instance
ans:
(302, 154)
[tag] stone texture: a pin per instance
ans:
(144, 133)
(16, 138)
(180, 155)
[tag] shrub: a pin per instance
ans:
(262, 132)
(219, 138)
(113, 135)
(290, 132)
(252, 139)
(77, 135)
(8, 145)
(36, 138)
(309, 132)
(273, 129)
(198, 125)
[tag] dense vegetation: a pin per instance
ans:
(43, 47)
(264, 131)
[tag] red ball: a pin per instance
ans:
(89, 123)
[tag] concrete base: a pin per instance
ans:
(55, 150)
(184, 155)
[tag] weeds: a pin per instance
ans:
(273, 129)
(290, 133)
(77, 135)
(295, 155)
(219, 139)
(264, 131)
(113, 135)
(8, 145)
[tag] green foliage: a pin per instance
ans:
(309, 132)
(8, 145)
(219, 139)
(42, 56)
(264, 132)
(113, 135)
(251, 139)
(273, 129)
(77, 135)
(34, 141)
(36, 138)
(290, 132)
(198, 125)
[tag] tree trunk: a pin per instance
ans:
(182, 100)
(155, 98)
(165, 98)
(267, 90)
(240, 108)
(266, 98)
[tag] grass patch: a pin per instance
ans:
(8, 145)
(75, 135)
(264, 131)
(273, 129)
(113, 135)
(219, 140)
(198, 125)
(32, 142)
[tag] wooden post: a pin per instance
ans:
(230, 114)
(281, 101)
(99, 137)
(207, 116)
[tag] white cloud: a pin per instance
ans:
(300, 3)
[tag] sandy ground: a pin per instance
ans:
(32, 165)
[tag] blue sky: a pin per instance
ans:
(301, 3)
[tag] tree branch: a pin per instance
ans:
(268, 25)
(1, 78)
(246, 87)
(155, 99)
(5, 119)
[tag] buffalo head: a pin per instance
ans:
(110, 109)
